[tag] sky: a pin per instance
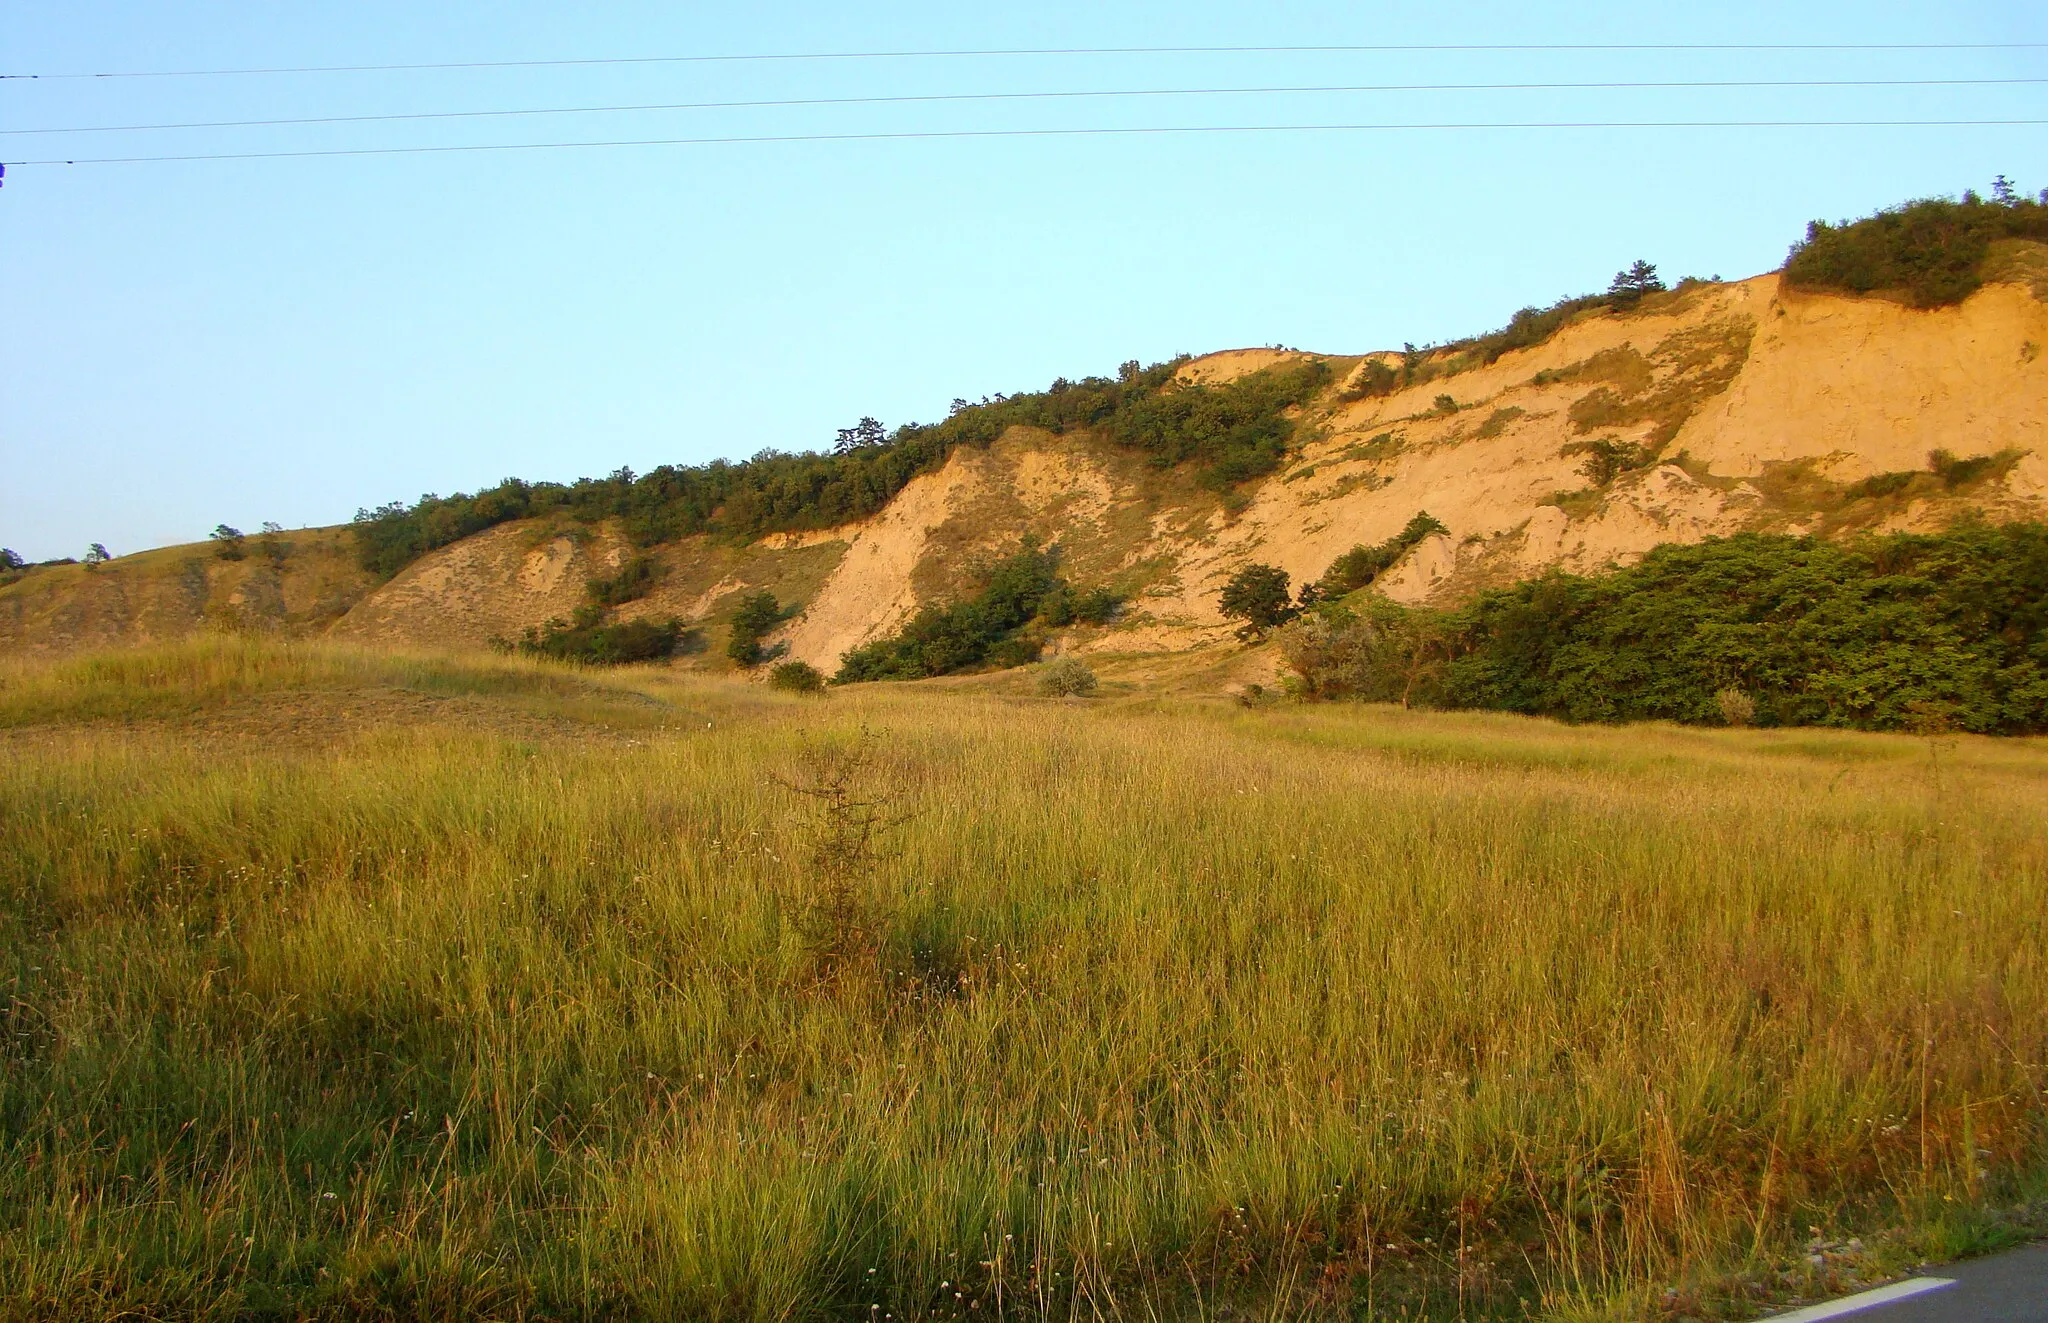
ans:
(186, 343)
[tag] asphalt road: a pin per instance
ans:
(2004, 1288)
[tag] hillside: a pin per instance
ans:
(1714, 409)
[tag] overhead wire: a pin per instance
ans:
(1163, 130)
(1036, 52)
(909, 99)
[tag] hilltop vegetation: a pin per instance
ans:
(1166, 1010)
(1932, 251)
(1907, 631)
(1231, 432)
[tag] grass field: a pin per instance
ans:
(346, 985)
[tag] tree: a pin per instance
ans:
(96, 555)
(1631, 285)
(10, 561)
(756, 614)
(863, 435)
(2003, 193)
(227, 542)
(1257, 595)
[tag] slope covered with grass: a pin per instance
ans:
(1137, 1007)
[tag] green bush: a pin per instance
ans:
(1066, 605)
(1066, 677)
(1862, 633)
(1869, 634)
(584, 638)
(1879, 485)
(634, 580)
(996, 627)
(797, 678)
(756, 614)
(1931, 251)
(1359, 566)
(1609, 457)
(1235, 431)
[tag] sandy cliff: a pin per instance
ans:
(1735, 406)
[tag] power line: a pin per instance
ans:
(1055, 133)
(1517, 48)
(1038, 96)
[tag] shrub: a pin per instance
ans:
(634, 580)
(1737, 708)
(797, 678)
(1066, 605)
(1066, 677)
(1236, 431)
(585, 639)
(1879, 485)
(851, 808)
(756, 614)
(1373, 650)
(1931, 251)
(989, 628)
(1820, 633)
(1610, 457)
(1955, 472)
(1359, 566)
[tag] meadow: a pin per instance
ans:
(341, 984)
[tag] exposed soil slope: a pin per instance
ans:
(1728, 407)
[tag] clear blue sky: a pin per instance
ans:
(188, 343)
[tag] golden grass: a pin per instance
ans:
(1166, 1007)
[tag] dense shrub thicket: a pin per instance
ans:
(1932, 251)
(988, 628)
(1900, 631)
(1230, 432)
(1358, 567)
(633, 581)
(586, 638)
(797, 677)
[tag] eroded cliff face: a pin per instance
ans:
(1738, 406)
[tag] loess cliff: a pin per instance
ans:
(1723, 408)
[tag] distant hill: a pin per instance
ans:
(1581, 436)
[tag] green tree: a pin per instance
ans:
(1631, 285)
(227, 542)
(863, 435)
(96, 555)
(10, 561)
(1257, 595)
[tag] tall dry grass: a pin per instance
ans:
(1154, 1007)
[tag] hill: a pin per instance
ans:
(1581, 437)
